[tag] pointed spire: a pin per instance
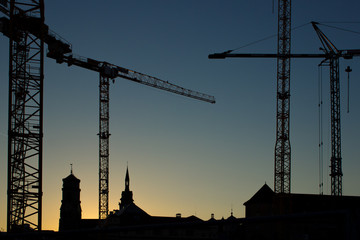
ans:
(71, 171)
(127, 179)
(126, 195)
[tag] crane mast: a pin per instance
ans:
(335, 160)
(104, 136)
(282, 146)
(25, 123)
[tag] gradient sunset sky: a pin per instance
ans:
(187, 156)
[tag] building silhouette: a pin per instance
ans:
(70, 210)
(269, 216)
(301, 216)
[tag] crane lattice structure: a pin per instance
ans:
(330, 58)
(25, 123)
(24, 26)
(282, 170)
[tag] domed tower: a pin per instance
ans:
(127, 195)
(70, 210)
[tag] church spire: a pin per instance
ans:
(127, 180)
(126, 195)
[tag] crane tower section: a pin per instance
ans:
(336, 160)
(104, 146)
(282, 145)
(25, 129)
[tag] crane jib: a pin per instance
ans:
(159, 84)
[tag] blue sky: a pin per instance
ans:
(187, 156)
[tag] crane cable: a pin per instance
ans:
(339, 28)
(348, 70)
(265, 38)
(321, 144)
(292, 29)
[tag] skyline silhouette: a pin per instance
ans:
(186, 156)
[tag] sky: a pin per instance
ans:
(187, 156)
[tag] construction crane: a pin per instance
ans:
(28, 33)
(110, 72)
(332, 60)
(330, 57)
(25, 28)
(25, 123)
(282, 169)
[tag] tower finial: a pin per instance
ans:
(71, 171)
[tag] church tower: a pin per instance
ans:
(70, 210)
(127, 195)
